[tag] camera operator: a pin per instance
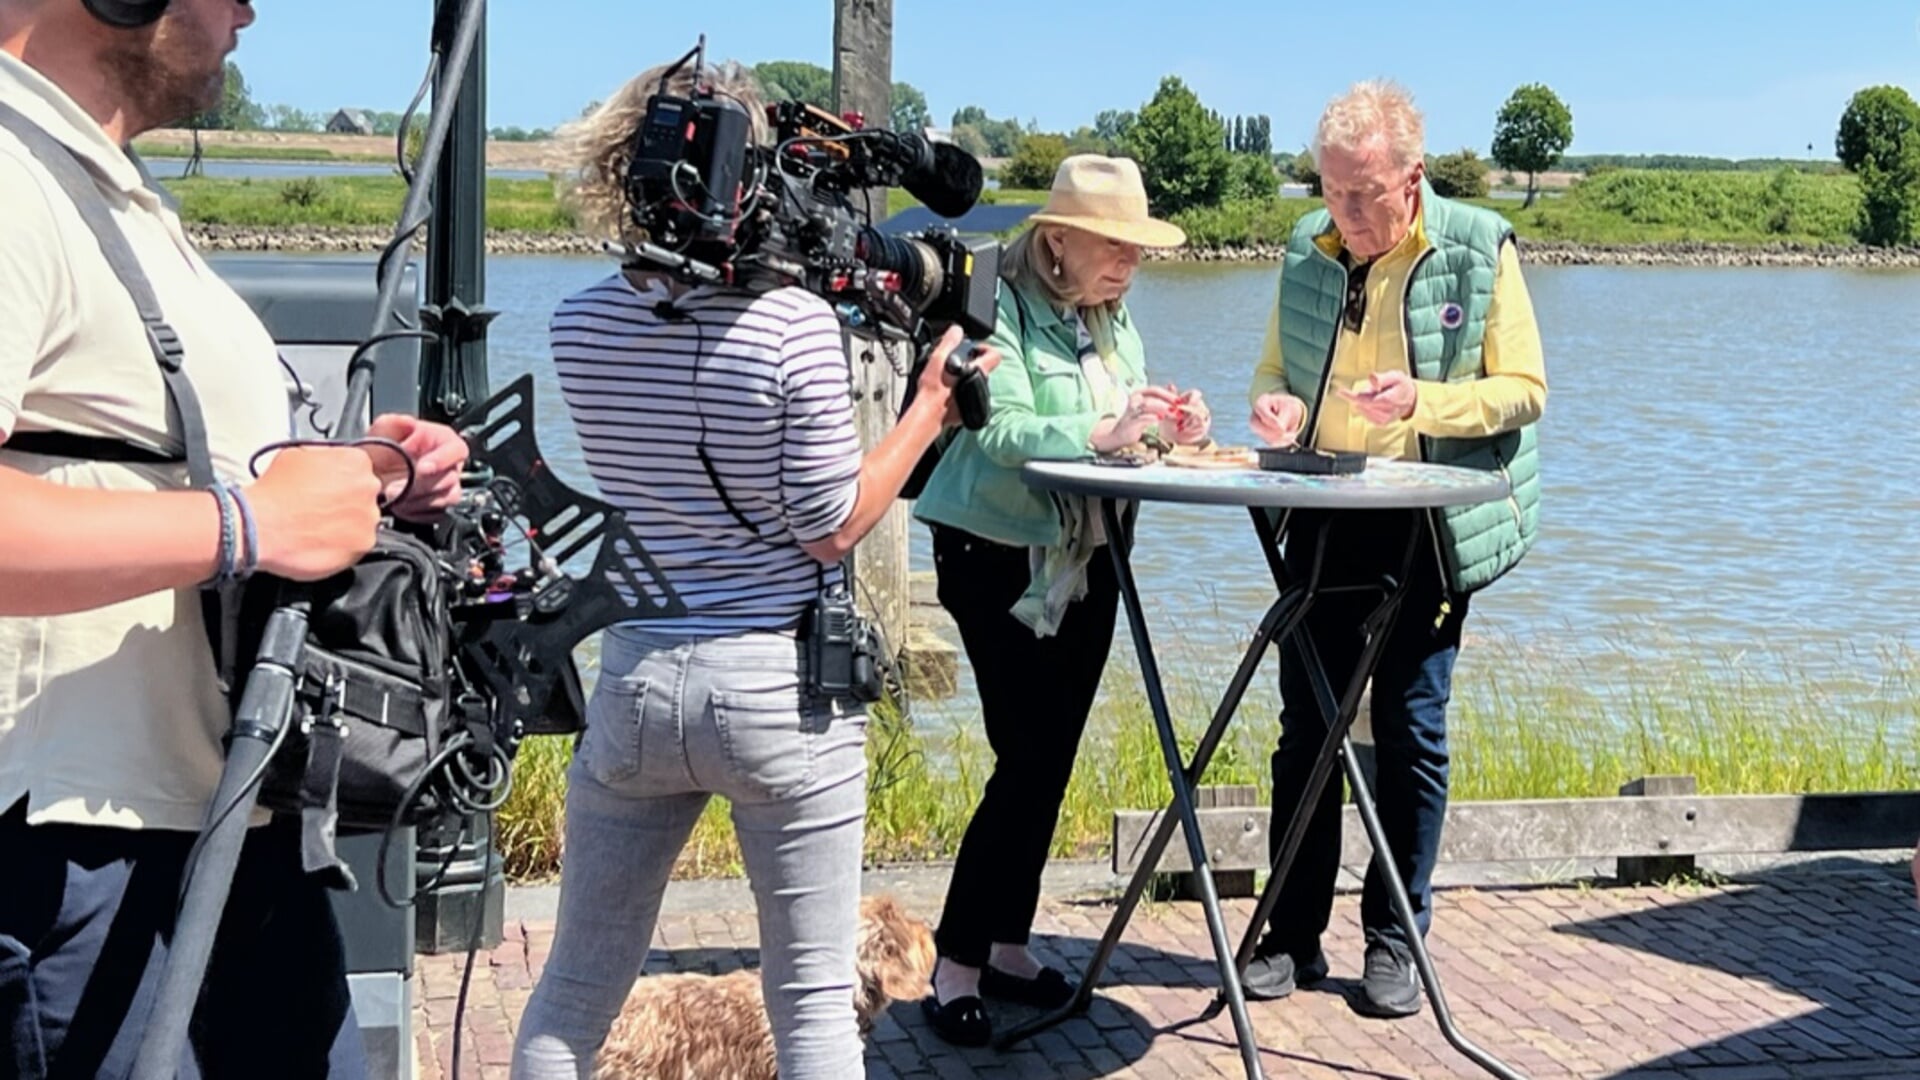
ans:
(111, 713)
(720, 420)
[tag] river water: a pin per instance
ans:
(1729, 465)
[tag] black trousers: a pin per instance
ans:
(1411, 689)
(1035, 694)
(86, 920)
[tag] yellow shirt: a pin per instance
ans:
(1513, 392)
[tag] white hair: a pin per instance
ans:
(1377, 108)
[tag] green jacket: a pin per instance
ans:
(1043, 409)
(1445, 311)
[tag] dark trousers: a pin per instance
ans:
(1035, 694)
(86, 918)
(1411, 687)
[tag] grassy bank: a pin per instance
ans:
(343, 201)
(1525, 732)
(1625, 207)
(1614, 208)
(169, 156)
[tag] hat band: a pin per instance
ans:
(1109, 207)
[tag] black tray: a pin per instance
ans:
(1296, 459)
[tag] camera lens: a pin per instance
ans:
(921, 275)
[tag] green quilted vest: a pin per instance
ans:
(1448, 295)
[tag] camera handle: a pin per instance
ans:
(970, 390)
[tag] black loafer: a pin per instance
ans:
(960, 1022)
(1048, 990)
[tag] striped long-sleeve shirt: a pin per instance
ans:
(763, 381)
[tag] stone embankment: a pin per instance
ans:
(337, 239)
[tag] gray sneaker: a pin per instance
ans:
(1274, 974)
(1390, 986)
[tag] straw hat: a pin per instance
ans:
(1105, 195)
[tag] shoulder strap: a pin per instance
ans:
(79, 186)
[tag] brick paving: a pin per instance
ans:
(1809, 973)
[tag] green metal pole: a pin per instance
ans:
(453, 374)
(466, 909)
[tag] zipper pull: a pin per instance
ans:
(1446, 609)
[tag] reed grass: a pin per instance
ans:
(1523, 725)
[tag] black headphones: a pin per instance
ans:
(128, 14)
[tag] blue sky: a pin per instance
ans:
(1684, 76)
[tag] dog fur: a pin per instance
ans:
(714, 1027)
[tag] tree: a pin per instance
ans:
(236, 111)
(1001, 137)
(1879, 140)
(1534, 128)
(1034, 162)
(1460, 175)
(1112, 125)
(288, 118)
(1085, 140)
(1181, 150)
(910, 108)
(1876, 126)
(967, 137)
(795, 80)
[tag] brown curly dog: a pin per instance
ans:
(714, 1027)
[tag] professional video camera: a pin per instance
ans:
(715, 209)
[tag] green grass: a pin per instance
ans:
(1618, 207)
(1521, 727)
(343, 201)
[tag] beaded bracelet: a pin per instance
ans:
(249, 560)
(223, 568)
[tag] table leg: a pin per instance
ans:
(1182, 779)
(1378, 623)
(1403, 907)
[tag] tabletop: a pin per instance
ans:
(1385, 484)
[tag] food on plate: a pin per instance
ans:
(1211, 455)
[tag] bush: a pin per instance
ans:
(1243, 222)
(1460, 175)
(1306, 172)
(305, 191)
(1252, 176)
(1729, 204)
(1890, 200)
(1034, 162)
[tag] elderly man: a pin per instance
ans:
(1403, 329)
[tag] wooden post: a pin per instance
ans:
(863, 83)
(880, 563)
(1229, 884)
(1653, 869)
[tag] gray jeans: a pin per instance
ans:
(672, 722)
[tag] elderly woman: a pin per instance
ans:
(716, 702)
(1074, 383)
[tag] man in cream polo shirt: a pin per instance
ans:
(111, 717)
